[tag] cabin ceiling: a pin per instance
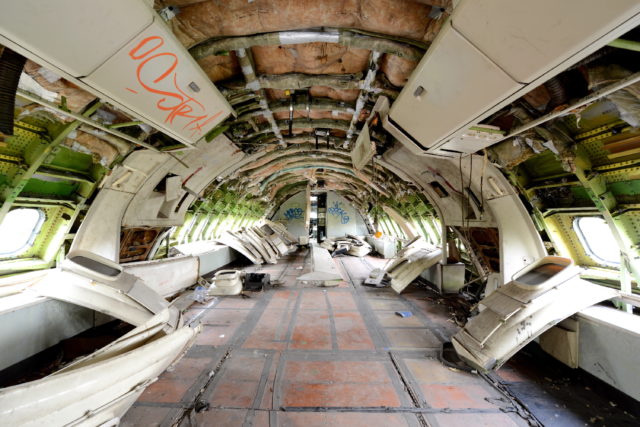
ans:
(292, 69)
(303, 78)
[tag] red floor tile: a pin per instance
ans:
(235, 394)
(336, 371)
(236, 302)
(267, 397)
(282, 299)
(171, 386)
(166, 391)
(352, 332)
(244, 368)
(341, 301)
(221, 417)
(261, 419)
(313, 300)
(339, 395)
(311, 331)
(220, 317)
(271, 331)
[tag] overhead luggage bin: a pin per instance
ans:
(490, 53)
(526, 39)
(121, 51)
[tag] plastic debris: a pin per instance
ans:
(404, 313)
(200, 294)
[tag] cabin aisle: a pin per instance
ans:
(296, 355)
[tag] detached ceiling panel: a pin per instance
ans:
(364, 149)
(505, 326)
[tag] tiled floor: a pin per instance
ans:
(298, 355)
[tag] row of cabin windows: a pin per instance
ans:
(21, 226)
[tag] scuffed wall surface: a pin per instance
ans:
(291, 214)
(342, 217)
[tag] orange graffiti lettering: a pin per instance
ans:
(178, 105)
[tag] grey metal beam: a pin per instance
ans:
(374, 65)
(410, 50)
(316, 104)
(300, 124)
(253, 83)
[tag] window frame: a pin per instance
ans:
(587, 247)
(35, 231)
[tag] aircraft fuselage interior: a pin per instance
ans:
(320, 212)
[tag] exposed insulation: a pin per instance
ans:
(310, 58)
(396, 69)
(102, 152)
(221, 67)
(200, 21)
(76, 98)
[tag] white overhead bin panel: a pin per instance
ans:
(122, 51)
(156, 76)
(490, 53)
(73, 35)
(450, 86)
(526, 38)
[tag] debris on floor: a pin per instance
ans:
(376, 278)
(347, 245)
(226, 282)
(411, 261)
(324, 271)
(256, 281)
(404, 313)
(541, 295)
(299, 355)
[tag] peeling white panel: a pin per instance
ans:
(74, 22)
(166, 276)
(99, 233)
(542, 295)
(520, 243)
(363, 150)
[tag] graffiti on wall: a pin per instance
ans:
(179, 107)
(338, 211)
(293, 214)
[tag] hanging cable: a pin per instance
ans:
(484, 168)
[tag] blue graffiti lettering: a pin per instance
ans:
(293, 213)
(337, 210)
